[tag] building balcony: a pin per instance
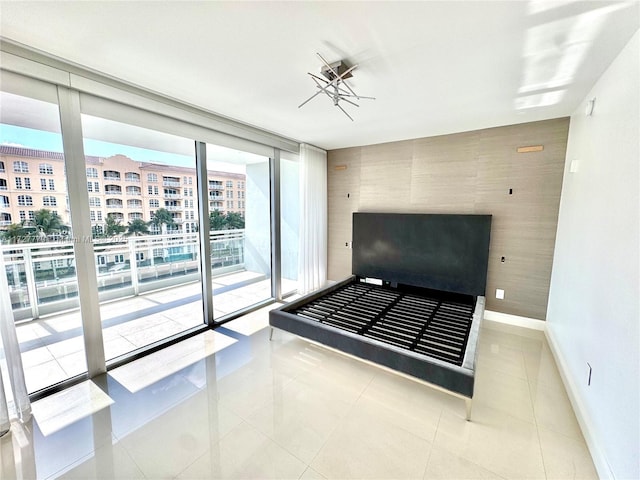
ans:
(216, 197)
(112, 178)
(134, 193)
(5, 223)
(170, 183)
(114, 206)
(171, 195)
(173, 208)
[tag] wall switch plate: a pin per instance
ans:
(499, 294)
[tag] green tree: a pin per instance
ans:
(138, 227)
(217, 220)
(162, 218)
(112, 226)
(15, 233)
(48, 223)
(234, 220)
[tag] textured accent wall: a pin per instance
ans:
(470, 172)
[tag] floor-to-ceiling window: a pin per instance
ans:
(144, 214)
(238, 185)
(36, 235)
(138, 224)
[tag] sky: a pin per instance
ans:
(50, 141)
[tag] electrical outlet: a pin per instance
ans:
(499, 294)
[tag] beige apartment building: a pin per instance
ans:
(118, 186)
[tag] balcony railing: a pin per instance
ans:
(170, 183)
(113, 192)
(173, 208)
(42, 276)
(216, 197)
(113, 177)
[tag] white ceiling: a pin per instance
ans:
(434, 67)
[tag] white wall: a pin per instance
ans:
(593, 313)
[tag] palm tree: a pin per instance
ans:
(217, 220)
(162, 218)
(137, 227)
(113, 226)
(48, 223)
(234, 220)
(15, 233)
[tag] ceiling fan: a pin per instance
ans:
(333, 84)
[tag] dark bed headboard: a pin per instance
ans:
(437, 251)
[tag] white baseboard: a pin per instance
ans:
(597, 455)
(515, 320)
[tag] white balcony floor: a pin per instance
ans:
(235, 405)
(53, 347)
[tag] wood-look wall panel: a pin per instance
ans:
(343, 190)
(385, 176)
(468, 172)
(443, 173)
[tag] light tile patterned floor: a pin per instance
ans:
(291, 409)
(53, 348)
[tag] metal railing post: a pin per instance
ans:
(31, 282)
(133, 265)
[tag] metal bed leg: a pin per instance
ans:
(467, 401)
(270, 333)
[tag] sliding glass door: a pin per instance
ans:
(36, 237)
(144, 214)
(239, 214)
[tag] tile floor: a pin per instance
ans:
(53, 349)
(231, 404)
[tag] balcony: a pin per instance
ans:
(216, 197)
(170, 183)
(173, 208)
(171, 195)
(132, 177)
(130, 294)
(5, 223)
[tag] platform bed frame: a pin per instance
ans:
(428, 334)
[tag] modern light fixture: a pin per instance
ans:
(333, 84)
